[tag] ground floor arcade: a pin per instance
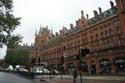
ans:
(91, 64)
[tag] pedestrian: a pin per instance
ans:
(74, 75)
(89, 69)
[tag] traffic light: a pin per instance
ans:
(83, 52)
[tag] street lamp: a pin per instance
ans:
(62, 56)
(62, 62)
(82, 53)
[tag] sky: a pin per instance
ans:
(2, 52)
(54, 13)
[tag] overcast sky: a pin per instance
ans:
(54, 13)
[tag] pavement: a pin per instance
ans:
(85, 79)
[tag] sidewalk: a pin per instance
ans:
(85, 79)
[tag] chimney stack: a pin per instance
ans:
(112, 4)
(87, 16)
(61, 32)
(57, 34)
(95, 13)
(100, 10)
(64, 29)
(82, 13)
(71, 26)
(77, 23)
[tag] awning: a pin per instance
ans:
(120, 61)
(104, 62)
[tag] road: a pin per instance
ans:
(88, 79)
(56, 80)
(14, 78)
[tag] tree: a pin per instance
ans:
(8, 23)
(17, 57)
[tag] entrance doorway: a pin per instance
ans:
(70, 67)
(93, 67)
(119, 64)
(105, 66)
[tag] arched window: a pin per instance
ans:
(119, 40)
(106, 33)
(102, 34)
(110, 32)
(118, 28)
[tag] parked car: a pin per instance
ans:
(10, 68)
(38, 71)
(21, 69)
(55, 72)
(46, 71)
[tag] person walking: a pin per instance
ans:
(74, 75)
(89, 69)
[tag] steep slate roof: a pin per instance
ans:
(103, 15)
(93, 20)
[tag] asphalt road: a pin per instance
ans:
(13, 78)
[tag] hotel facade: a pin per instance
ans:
(103, 35)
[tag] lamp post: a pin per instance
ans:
(82, 53)
(61, 57)
(50, 71)
(80, 60)
(39, 65)
(49, 67)
(62, 63)
(32, 66)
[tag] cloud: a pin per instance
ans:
(55, 13)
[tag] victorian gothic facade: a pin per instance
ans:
(103, 35)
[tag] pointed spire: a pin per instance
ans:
(40, 30)
(51, 32)
(47, 27)
(36, 33)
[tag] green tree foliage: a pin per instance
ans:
(17, 57)
(8, 23)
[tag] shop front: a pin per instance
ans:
(105, 66)
(119, 64)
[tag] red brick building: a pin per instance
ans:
(103, 35)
